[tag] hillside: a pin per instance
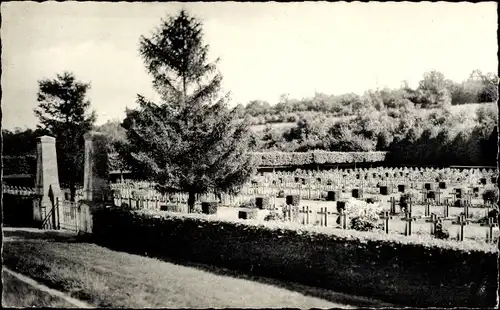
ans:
(467, 109)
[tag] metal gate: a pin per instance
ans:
(69, 219)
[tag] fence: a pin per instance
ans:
(18, 190)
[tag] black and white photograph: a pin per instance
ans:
(249, 155)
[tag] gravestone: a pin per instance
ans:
(47, 178)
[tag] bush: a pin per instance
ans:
(248, 204)
(274, 216)
(249, 214)
(331, 196)
(273, 158)
(363, 215)
(23, 164)
(209, 207)
(490, 195)
(353, 262)
(293, 200)
(171, 208)
(441, 232)
(360, 224)
(262, 202)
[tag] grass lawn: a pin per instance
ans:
(106, 278)
(17, 294)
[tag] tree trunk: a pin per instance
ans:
(191, 201)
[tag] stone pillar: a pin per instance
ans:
(46, 177)
(95, 183)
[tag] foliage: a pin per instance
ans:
(115, 133)
(377, 258)
(418, 126)
(441, 232)
(360, 224)
(274, 216)
(63, 111)
(491, 195)
(363, 215)
(191, 141)
(21, 142)
(315, 157)
(23, 164)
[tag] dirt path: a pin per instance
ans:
(75, 302)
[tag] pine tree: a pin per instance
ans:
(191, 141)
(63, 111)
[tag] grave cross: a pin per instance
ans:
(408, 219)
(323, 212)
(462, 221)
(434, 220)
(392, 202)
(489, 234)
(305, 219)
(386, 217)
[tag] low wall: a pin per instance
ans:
(411, 271)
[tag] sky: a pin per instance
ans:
(266, 49)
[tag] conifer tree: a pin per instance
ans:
(190, 141)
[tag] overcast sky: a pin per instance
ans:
(266, 49)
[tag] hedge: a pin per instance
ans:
(25, 164)
(315, 157)
(413, 271)
(292, 158)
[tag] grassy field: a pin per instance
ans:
(17, 294)
(106, 278)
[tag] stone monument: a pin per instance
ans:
(95, 183)
(96, 189)
(47, 180)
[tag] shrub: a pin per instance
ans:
(490, 195)
(24, 164)
(248, 204)
(359, 224)
(331, 196)
(274, 216)
(441, 232)
(209, 207)
(249, 214)
(273, 158)
(363, 215)
(171, 207)
(293, 200)
(353, 262)
(262, 202)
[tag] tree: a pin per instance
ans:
(63, 111)
(489, 85)
(433, 91)
(191, 141)
(20, 142)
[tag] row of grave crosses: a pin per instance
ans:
(387, 175)
(443, 172)
(462, 219)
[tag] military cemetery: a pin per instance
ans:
(387, 198)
